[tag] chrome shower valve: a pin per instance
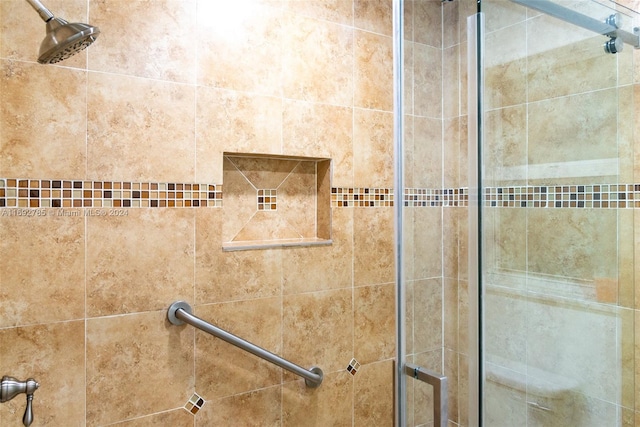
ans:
(11, 387)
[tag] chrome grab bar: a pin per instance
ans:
(440, 398)
(180, 312)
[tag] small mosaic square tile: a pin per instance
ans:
(353, 367)
(194, 404)
(267, 200)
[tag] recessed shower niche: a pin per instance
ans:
(275, 201)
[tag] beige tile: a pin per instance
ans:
(627, 357)
(374, 323)
(320, 130)
(23, 30)
(374, 394)
(463, 317)
(312, 50)
(410, 316)
(451, 81)
(139, 262)
(450, 245)
(54, 356)
(33, 286)
(625, 136)
(590, 234)
(407, 19)
(140, 353)
(373, 149)
(451, 371)
(501, 14)
(297, 198)
(503, 231)
(505, 67)
(43, 123)
(463, 243)
(551, 72)
(625, 280)
(176, 418)
(140, 129)
(234, 122)
(240, 200)
(427, 310)
(427, 22)
(322, 267)
(240, 37)
(505, 150)
(427, 243)
(408, 156)
(339, 11)
(318, 329)
(373, 246)
(463, 389)
(223, 370)
(451, 324)
(452, 23)
(373, 15)
(226, 276)
(373, 74)
(451, 148)
(427, 157)
(145, 39)
(261, 407)
(329, 404)
(408, 75)
(427, 81)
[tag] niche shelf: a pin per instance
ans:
(273, 201)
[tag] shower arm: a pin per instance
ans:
(44, 13)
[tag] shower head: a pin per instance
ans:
(63, 39)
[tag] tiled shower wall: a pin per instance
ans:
(166, 89)
(435, 260)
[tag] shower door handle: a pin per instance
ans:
(440, 397)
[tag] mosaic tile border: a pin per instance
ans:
(35, 193)
(343, 197)
(602, 196)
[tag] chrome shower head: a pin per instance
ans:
(63, 39)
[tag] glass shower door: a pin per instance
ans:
(556, 220)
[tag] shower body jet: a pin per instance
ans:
(63, 39)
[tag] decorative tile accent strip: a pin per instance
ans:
(606, 196)
(343, 197)
(353, 367)
(267, 200)
(34, 193)
(422, 197)
(194, 404)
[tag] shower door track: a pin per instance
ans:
(180, 312)
(609, 27)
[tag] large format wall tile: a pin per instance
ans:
(139, 363)
(43, 121)
(140, 129)
(43, 268)
(54, 355)
(139, 262)
(318, 329)
(309, 42)
(133, 44)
